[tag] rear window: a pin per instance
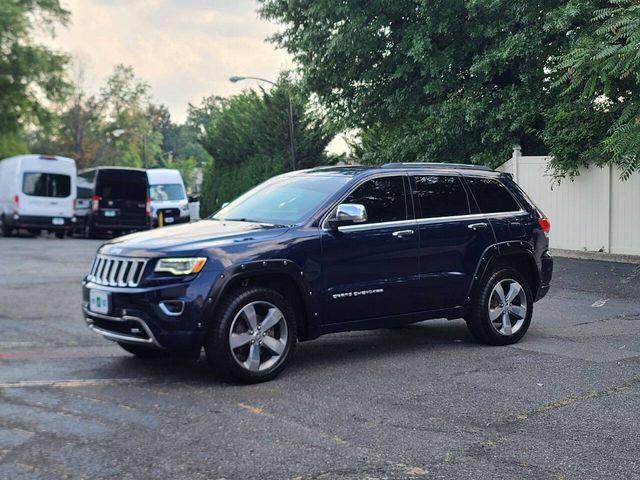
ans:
(84, 192)
(39, 184)
(122, 185)
(440, 196)
(492, 196)
(167, 191)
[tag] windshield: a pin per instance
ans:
(282, 200)
(166, 191)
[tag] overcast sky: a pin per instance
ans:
(185, 49)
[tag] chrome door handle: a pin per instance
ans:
(403, 233)
(475, 226)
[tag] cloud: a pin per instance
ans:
(186, 49)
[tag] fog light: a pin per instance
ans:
(173, 308)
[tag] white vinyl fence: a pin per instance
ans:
(595, 212)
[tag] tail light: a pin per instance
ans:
(148, 209)
(545, 225)
(95, 203)
(16, 204)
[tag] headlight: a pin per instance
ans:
(180, 266)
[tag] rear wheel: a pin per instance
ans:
(503, 307)
(7, 231)
(254, 336)
(141, 351)
(59, 234)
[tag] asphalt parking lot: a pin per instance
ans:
(424, 401)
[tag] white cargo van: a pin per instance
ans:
(168, 196)
(37, 192)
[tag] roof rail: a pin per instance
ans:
(459, 166)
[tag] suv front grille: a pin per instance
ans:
(116, 271)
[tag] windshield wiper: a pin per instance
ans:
(248, 220)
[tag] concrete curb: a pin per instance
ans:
(598, 256)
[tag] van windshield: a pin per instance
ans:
(39, 184)
(166, 191)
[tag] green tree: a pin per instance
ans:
(248, 137)
(446, 80)
(603, 69)
(31, 75)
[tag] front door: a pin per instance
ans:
(371, 269)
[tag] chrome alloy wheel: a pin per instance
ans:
(507, 307)
(258, 336)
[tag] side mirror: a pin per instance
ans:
(348, 214)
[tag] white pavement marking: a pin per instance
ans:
(599, 303)
(73, 383)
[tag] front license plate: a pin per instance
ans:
(109, 213)
(58, 221)
(99, 301)
(168, 220)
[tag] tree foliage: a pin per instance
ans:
(248, 137)
(444, 80)
(31, 75)
(603, 68)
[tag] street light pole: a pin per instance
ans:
(292, 138)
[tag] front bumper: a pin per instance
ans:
(140, 315)
(172, 221)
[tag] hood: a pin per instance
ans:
(190, 238)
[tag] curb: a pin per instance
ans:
(598, 256)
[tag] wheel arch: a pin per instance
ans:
(517, 255)
(283, 276)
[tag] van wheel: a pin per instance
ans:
(60, 234)
(142, 351)
(7, 231)
(90, 232)
(254, 337)
(502, 311)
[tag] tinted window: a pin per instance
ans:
(168, 191)
(84, 192)
(383, 198)
(440, 196)
(283, 200)
(46, 184)
(492, 196)
(122, 185)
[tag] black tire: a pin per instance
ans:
(7, 231)
(90, 231)
(60, 234)
(478, 320)
(219, 354)
(141, 351)
(35, 231)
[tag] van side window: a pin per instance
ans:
(46, 185)
(440, 196)
(491, 195)
(384, 199)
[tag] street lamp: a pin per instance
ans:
(291, 127)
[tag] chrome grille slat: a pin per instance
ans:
(116, 271)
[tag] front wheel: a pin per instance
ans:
(253, 337)
(502, 311)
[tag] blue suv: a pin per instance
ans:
(321, 251)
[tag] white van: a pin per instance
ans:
(37, 192)
(168, 196)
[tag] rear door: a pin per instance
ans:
(452, 239)
(371, 269)
(46, 194)
(122, 196)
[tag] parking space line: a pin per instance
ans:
(75, 383)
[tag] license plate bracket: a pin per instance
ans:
(99, 301)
